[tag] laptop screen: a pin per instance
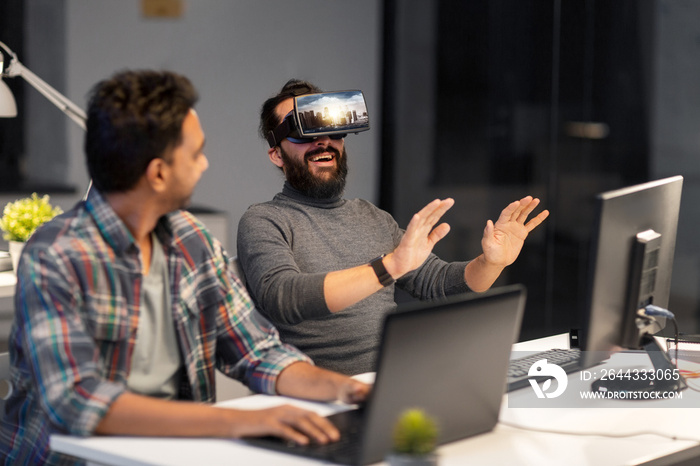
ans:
(449, 359)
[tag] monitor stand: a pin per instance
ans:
(666, 377)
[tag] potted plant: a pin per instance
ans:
(21, 218)
(414, 440)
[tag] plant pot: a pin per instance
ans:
(402, 459)
(15, 250)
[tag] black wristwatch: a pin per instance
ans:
(384, 277)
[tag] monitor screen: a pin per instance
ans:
(632, 253)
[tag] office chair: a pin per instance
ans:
(5, 383)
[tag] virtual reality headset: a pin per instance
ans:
(333, 114)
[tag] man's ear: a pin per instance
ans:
(275, 156)
(156, 174)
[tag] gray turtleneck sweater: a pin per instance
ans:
(288, 245)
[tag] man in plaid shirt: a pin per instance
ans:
(125, 305)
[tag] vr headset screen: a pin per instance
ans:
(333, 114)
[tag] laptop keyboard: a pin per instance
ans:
(344, 451)
(567, 359)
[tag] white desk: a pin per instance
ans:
(504, 445)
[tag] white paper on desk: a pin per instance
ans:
(269, 401)
(687, 351)
(367, 377)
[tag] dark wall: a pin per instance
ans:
(12, 129)
(537, 97)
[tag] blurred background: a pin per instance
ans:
(485, 101)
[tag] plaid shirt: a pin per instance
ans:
(77, 307)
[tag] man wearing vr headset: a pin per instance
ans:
(323, 268)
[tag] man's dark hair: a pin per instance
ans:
(293, 88)
(132, 118)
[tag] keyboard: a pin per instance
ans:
(567, 359)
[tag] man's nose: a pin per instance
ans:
(322, 141)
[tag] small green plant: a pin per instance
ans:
(22, 217)
(415, 433)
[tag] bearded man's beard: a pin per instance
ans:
(300, 177)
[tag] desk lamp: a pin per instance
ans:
(8, 107)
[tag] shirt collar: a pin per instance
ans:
(113, 229)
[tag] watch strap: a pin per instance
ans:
(384, 277)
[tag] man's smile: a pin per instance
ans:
(320, 158)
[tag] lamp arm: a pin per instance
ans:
(73, 112)
(15, 68)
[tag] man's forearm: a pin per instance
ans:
(303, 380)
(137, 415)
(133, 414)
(480, 275)
(343, 288)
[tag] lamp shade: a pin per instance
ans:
(8, 107)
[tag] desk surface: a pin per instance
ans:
(504, 445)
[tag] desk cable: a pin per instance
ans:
(651, 310)
(599, 434)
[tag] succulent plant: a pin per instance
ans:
(415, 433)
(22, 217)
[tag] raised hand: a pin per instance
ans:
(503, 240)
(419, 239)
(343, 288)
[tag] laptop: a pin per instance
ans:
(448, 358)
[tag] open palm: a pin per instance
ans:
(421, 236)
(503, 241)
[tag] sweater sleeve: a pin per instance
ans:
(281, 292)
(435, 279)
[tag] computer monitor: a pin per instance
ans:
(632, 253)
